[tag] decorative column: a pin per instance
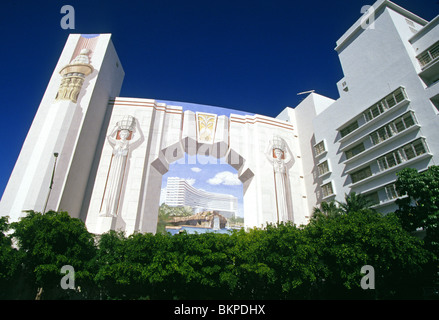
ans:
(73, 77)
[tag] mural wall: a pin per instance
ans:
(166, 165)
(199, 191)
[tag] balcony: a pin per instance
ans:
(429, 56)
(371, 115)
(403, 160)
(387, 195)
(429, 62)
(392, 169)
(397, 131)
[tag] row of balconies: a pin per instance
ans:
(362, 137)
(389, 163)
(371, 115)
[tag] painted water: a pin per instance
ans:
(193, 230)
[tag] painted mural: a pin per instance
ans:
(201, 193)
(170, 166)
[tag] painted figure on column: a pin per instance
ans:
(277, 153)
(121, 139)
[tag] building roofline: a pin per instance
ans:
(376, 6)
(425, 29)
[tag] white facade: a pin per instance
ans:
(181, 193)
(113, 151)
(381, 60)
(69, 127)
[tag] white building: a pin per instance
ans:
(387, 116)
(180, 193)
(113, 151)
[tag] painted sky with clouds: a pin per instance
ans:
(209, 174)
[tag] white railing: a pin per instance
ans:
(428, 56)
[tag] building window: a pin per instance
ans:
(327, 190)
(354, 151)
(319, 148)
(404, 122)
(382, 106)
(361, 174)
(435, 102)
(413, 30)
(391, 192)
(429, 55)
(414, 149)
(389, 160)
(348, 129)
(372, 198)
(389, 130)
(323, 168)
(382, 134)
(374, 111)
(410, 22)
(407, 152)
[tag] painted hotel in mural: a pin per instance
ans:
(112, 153)
(180, 193)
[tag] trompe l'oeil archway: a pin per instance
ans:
(145, 137)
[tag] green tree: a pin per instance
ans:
(161, 266)
(203, 265)
(9, 263)
(320, 260)
(354, 202)
(119, 271)
(328, 209)
(49, 241)
(420, 207)
(276, 263)
(348, 242)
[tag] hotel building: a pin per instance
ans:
(387, 115)
(111, 151)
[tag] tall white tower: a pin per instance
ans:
(68, 123)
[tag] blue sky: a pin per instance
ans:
(253, 56)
